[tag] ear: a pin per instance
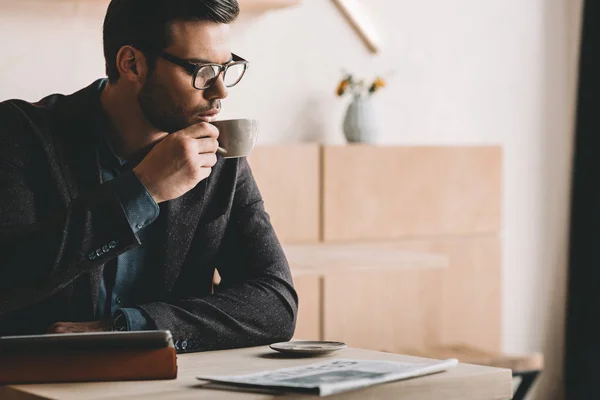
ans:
(132, 64)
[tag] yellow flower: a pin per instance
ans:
(377, 84)
(342, 86)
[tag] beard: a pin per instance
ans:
(164, 112)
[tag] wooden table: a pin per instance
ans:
(464, 382)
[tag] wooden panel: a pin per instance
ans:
(397, 310)
(472, 290)
(353, 12)
(308, 287)
(383, 309)
(398, 192)
(288, 177)
(309, 263)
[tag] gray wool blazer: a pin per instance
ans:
(54, 213)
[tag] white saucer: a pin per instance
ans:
(308, 347)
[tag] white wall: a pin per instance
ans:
(467, 72)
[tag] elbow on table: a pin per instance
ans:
(284, 329)
(287, 330)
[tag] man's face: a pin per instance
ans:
(167, 99)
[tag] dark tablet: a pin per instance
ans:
(93, 341)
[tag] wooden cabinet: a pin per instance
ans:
(364, 228)
(367, 294)
(308, 285)
(288, 177)
(383, 193)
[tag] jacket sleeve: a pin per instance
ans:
(256, 303)
(42, 252)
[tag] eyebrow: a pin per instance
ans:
(202, 61)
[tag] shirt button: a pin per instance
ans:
(140, 226)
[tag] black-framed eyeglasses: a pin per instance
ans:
(205, 74)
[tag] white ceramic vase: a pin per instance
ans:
(360, 122)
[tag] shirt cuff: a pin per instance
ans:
(140, 208)
(137, 320)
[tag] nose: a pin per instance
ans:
(217, 91)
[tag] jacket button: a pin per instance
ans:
(184, 344)
(92, 255)
(112, 245)
(99, 252)
(105, 249)
(118, 299)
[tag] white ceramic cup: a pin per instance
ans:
(237, 137)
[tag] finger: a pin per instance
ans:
(207, 160)
(192, 147)
(59, 327)
(207, 145)
(200, 130)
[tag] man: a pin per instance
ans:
(115, 210)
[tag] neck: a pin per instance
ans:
(131, 133)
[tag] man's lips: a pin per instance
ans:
(209, 116)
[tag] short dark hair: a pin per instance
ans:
(144, 24)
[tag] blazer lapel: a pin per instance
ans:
(95, 275)
(182, 217)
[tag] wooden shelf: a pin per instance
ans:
(384, 282)
(359, 256)
(265, 5)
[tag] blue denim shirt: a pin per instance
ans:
(141, 210)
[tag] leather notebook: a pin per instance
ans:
(87, 357)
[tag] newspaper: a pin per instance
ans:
(331, 377)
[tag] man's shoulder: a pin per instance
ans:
(17, 111)
(50, 105)
(51, 113)
(26, 129)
